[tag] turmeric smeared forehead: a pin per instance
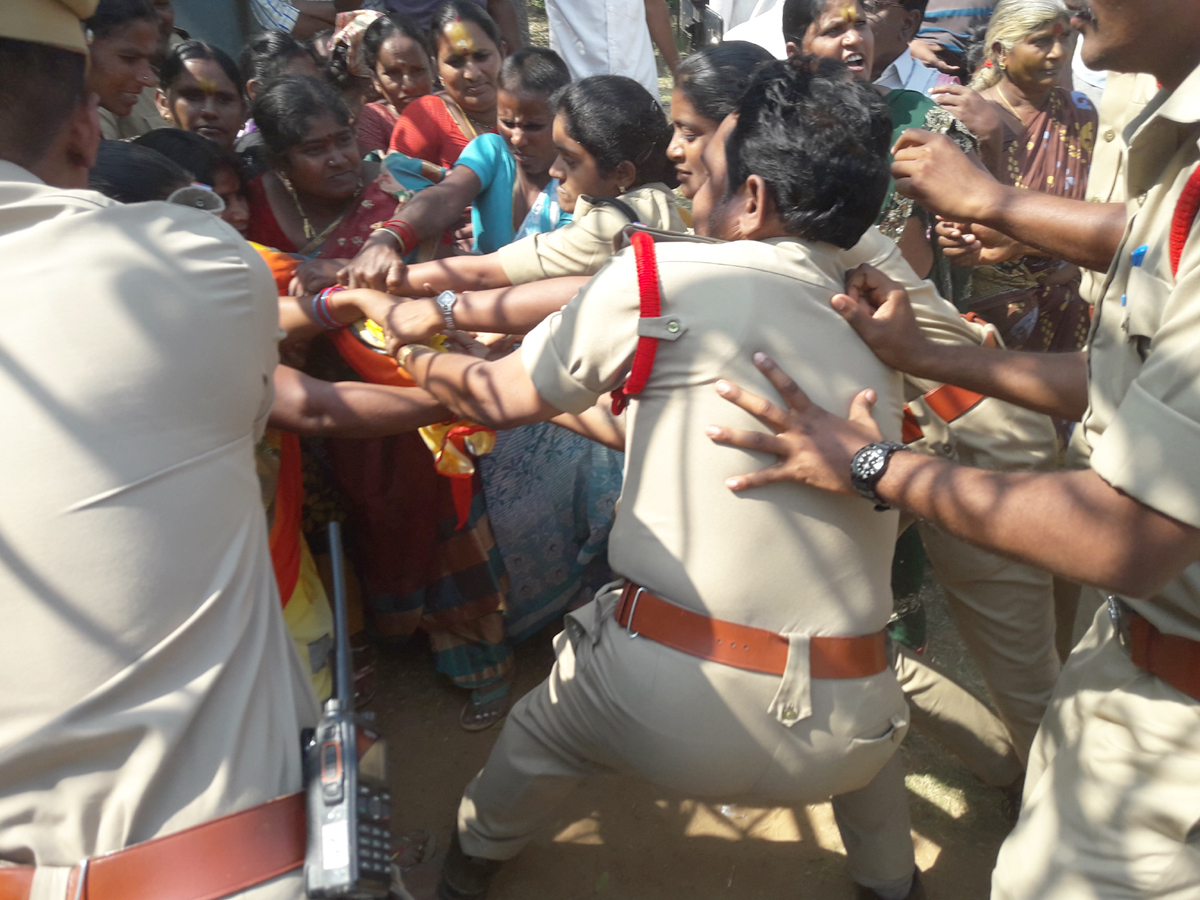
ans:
(459, 37)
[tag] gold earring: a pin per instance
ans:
(621, 189)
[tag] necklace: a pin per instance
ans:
(309, 232)
(1011, 108)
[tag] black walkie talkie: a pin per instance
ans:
(345, 770)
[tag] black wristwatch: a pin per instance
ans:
(868, 467)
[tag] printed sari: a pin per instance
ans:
(1035, 302)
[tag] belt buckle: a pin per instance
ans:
(1118, 612)
(633, 608)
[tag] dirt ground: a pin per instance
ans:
(625, 839)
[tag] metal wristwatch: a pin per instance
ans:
(868, 467)
(445, 302)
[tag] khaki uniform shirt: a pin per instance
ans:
(584, 245)
(1143, 418)
(144, 117)
(1125, 96)
(786, 558)
(150, 683)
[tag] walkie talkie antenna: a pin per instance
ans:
(344, 687)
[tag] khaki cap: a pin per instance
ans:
(54, 22)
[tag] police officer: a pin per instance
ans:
(757, 664)
(152, 696)
(1114, 780)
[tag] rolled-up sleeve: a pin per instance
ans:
(585, 350)
(1151, 449)
(579, 248)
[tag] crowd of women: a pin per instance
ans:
(435, 187)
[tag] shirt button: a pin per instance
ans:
(673, 327)
(790, 714)
(1109, 134)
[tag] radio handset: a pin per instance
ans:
(345, 771)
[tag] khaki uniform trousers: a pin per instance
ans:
(944, 710)
(1112, 797)
(613, 704)
(1005, 613)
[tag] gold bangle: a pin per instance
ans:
(405, 355)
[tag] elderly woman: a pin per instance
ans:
(1035, 301)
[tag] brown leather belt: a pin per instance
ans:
(205, 862)
(742, 646)
(1174, 659)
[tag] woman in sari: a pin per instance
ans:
(1035, 301)
(200, 90)
(396, 56)
(469, 51)
(417, 565)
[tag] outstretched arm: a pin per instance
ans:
(510, 310)
(933, 171)
(1073, 524)
(879, 310)
(499, 394)
(352, 409)
(428, 214)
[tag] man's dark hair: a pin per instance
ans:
(465, 11)
(192, 151)
(134, 174)
(615, 119)
(41, 87)
(112, 14)
(820, 141)
(534, 70)
(714, 78)
(383, 28)
(284, 108)
(267, 55)
(173, 67)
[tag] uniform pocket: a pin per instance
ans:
(1144, 300)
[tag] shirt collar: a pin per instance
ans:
(1183, 104)
(10, 171)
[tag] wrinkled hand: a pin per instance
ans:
(879, 310)
(981, 117)
(814, 447)
(374, 265)
(314, 275)
(931, 169)
(976, 245)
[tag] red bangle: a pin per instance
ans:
(402, 232)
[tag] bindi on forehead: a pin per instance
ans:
(1059, 29)
(459, 37)
(209, 86)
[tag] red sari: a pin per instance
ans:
(434, 128)
(418, 567)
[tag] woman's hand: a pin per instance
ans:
(976, 245)
(351, 305)
(814, 447)
(374, 265)
(314, 275)
(980, 116)
(411, 322)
